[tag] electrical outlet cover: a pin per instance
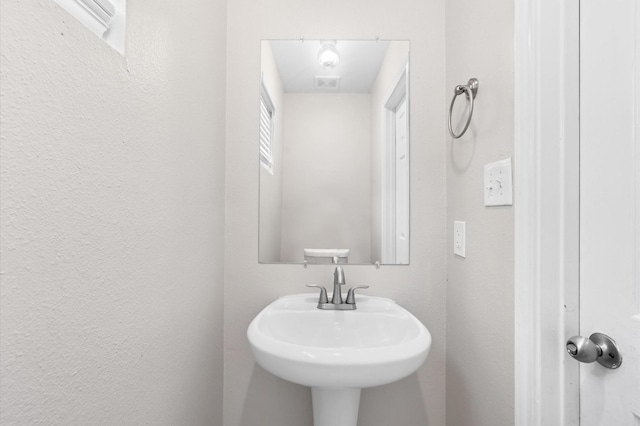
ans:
(498, 186)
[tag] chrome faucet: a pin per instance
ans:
(337, 302)
(338, 281)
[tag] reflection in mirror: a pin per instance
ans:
(334, 152)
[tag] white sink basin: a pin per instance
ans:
(378, 343)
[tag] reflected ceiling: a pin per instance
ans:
(358, 68)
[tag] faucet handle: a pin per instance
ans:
(323, 293)
(351, 294)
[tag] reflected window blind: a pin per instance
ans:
(266, 130)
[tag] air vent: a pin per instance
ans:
(328, 83)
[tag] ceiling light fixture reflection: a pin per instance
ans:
(328, 55)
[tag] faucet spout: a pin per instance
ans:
(338, 276)
(338, 280)
(337, 303)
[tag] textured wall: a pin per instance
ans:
(253, 396)
(480, 321)
(112, 181)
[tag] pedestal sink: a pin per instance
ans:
(337, 353)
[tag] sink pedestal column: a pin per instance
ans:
(335, 406)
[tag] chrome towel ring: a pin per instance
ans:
(470, 90)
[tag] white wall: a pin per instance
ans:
(326, 196)
(253, 396)
(112, 217)
(480, 319)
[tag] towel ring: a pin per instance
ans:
(470, 90)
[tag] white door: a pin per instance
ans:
(395, 172)
(610, 206)
(402, 184)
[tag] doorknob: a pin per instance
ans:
(598, 347)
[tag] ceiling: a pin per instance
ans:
(297, 62)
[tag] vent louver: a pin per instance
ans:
(330, 83)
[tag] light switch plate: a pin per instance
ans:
(498, 186)
(459, 238)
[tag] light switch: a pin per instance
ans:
(498, 186)
(459, 238)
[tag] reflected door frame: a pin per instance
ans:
(395, 204)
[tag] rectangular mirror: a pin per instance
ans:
(334, 152)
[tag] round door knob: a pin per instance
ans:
(582, 349)
(598, 347)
